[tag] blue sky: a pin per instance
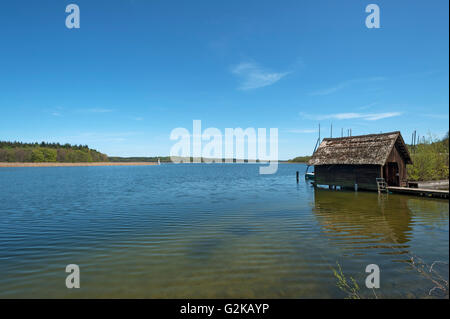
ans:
(135, 70)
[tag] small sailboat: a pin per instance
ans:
(159, 162)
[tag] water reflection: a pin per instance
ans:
(432, 212)
(363, 219)
(399, 233)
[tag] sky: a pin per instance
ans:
(137, 69)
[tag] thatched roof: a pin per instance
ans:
(359, 150)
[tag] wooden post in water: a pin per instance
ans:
(297, 173)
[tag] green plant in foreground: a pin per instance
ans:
(440, 284)
(351, 287)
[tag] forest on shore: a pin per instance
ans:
(117, 159)
(430, 159)
(300, 159)
(18, 152)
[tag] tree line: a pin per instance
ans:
(168, 159)
(48, 152)
(163, 159)
(430, 159)
(300, 159)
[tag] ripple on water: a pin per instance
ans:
(212, 231)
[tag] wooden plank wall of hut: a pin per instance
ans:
(348, 175)
(395, 156)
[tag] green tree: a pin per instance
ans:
(49, 154)
(430, 160)
(37, 155)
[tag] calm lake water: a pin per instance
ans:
(208, 231)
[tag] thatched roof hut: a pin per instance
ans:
(356, 150)
(361, 159)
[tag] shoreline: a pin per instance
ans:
(52, 164)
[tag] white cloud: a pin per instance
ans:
(252, 76)
(380, 116)
(350, 116)
(61, 111)
(330, 90)
(345, 84)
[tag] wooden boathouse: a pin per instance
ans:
(357, 161)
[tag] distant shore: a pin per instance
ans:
(53, 164)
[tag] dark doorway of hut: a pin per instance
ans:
(391, 174)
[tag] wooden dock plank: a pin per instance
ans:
(420, 191)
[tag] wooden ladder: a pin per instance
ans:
(381, 185)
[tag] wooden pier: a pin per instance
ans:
(419, 191)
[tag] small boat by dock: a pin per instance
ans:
(309, 176)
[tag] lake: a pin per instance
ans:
(209, 231)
